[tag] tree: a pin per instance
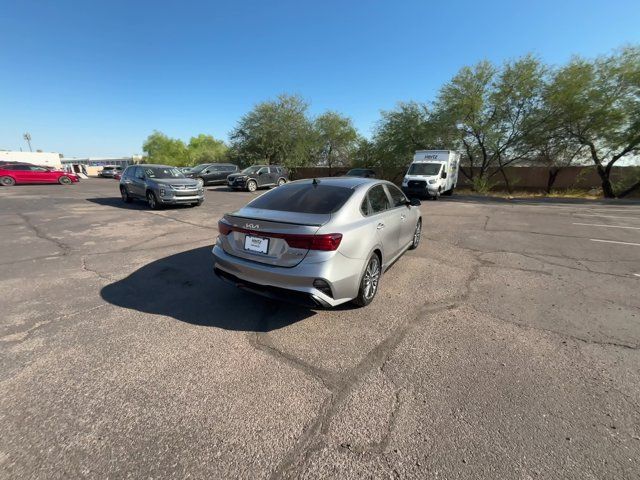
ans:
(598, 105)
(336, 139)
(402, 131)
(164, 150)
(492, 109)
(365, 154)
(206, 149)
(274, 132)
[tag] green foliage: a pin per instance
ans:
(482, 184)
(159, 148)
(597, 105)
(164, 150)
(493, 109)
(206, 149)
(275, 132)
(336, 139)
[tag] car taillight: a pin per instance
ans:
(327, 242)
(224, 228)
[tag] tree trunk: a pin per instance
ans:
(607, 188)
(551, 179)
(506, 179)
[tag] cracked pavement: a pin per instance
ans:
(505, 346)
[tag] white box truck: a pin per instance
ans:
(431, 174)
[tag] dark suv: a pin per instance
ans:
(212, 173)
(258, 176)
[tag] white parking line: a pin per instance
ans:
(608, 226)
(614, 241)
(605, 216)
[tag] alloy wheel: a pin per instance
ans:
(371, 277)
(416, 235)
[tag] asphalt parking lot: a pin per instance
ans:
(505, 346)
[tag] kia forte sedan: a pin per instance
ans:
(319, 242)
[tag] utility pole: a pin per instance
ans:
(27, 137)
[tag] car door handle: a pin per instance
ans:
(380, 226)
(403, 217)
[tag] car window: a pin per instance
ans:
(162, 172)
(263, 170)
(139, 173)
(230, 168)
(397, 197)
(22, 167)
(8, 167)
(304, 198)
(378, 199)
(365, 208)
(38, 169)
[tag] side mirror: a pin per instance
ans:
(414, 202)
(444, 174)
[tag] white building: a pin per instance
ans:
(45, 159)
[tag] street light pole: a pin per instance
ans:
(27, 137)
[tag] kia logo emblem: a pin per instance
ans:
(251, 225)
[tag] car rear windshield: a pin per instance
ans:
(304, 198)
(424, 168)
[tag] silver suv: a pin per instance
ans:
(160, 185)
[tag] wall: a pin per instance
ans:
(521, 178)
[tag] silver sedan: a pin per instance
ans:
(319, 242)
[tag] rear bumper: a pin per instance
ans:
(295, 284)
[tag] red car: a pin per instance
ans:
(13, 173)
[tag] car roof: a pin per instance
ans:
(347, 182)
(156, 165)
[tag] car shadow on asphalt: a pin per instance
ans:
(116, 202)
(183, 286)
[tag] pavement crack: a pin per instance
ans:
(40, 233)
(94, 271)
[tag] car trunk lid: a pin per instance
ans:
(269, 236)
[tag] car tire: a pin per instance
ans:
(369, 282)
(7, 181)
(152, 201)
(416, 235)
(125, 195)
(252, 186)
(449, 192)
(64, 180)
(198, 203)
(281, 181)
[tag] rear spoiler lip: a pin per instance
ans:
(230, 215)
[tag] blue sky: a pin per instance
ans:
(95, 78)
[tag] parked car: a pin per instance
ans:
(320, 242)
(109, 171)
(213, 173)
(11, 174)
(160, 185)
(258, 176)
(361, 172)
